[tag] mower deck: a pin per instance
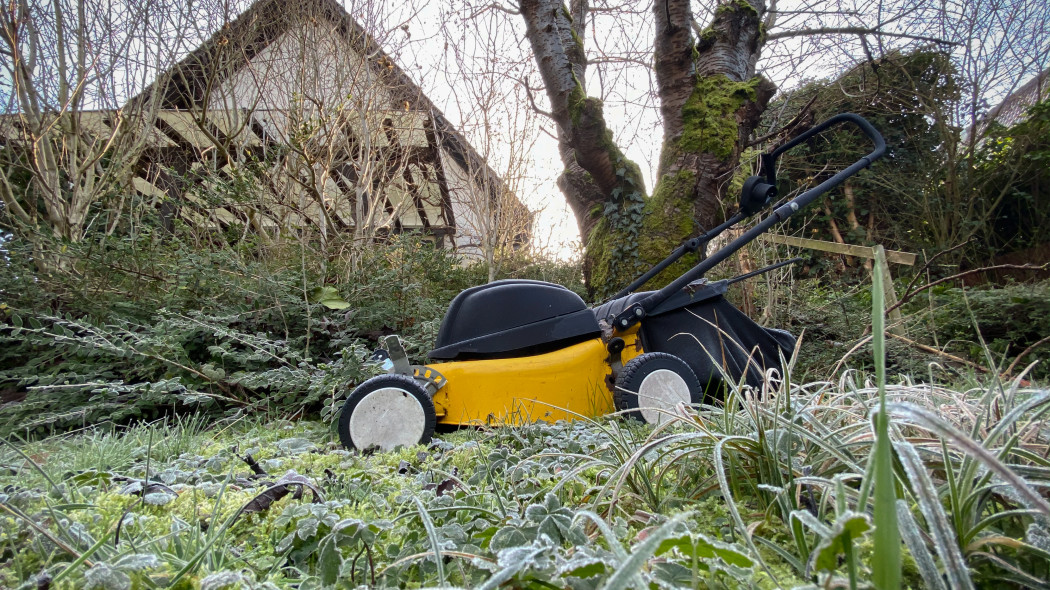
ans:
(566, 384)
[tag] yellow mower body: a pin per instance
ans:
(515, 352)
(566, 384)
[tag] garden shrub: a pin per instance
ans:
(1009, 318)
(143, 326)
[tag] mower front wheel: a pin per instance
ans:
(652, 384)
(387, 412)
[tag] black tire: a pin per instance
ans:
(387, 412)
(668, 379)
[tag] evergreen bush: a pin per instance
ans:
(148, 324)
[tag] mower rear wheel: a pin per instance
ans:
(387, 412)
(652, 384)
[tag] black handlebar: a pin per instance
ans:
(639, 310)
(768, 161)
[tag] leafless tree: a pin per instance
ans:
(492, 223)
(707, 67)
(1006, 45)
(951, 198)
(70, 138)
(316, 86)
(351, 148)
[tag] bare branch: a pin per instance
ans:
(787, 126)
(907, 296)
(532, 101)
(861, 31)
(1009, 370)
(493, 6)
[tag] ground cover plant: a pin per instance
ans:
(132, 328)
(167, 384)
(774, 493)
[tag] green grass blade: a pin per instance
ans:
(506, 574)
(211, 538)
(35, 466)
(83, 557)
(723, 483)
(945, 539)
(625, 575)
(971, 448)
(954, 489)
(1011, 418)
(783, 554)
(435, 544)
(610, 536)
(886, 561)
(917, 547)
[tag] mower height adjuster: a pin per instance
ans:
(429, 378)
(629, 317)
(396, 363)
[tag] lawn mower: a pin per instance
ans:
(520, 351)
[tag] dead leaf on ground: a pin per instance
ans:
(443, 487)
(290, 483)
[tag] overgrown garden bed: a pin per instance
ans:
(765, 495)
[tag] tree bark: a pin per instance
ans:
(556, 39)
(710, 100)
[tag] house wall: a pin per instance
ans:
(310, 69)
(465, 197)
(306, 88)
(310, 73)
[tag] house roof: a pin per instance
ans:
(1012, 109)
(264, 22)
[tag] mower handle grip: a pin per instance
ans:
(768, 168)
(639, 310)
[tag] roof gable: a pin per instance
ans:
(1013, 108)
(262, 24)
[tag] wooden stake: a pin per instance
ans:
(894, 256)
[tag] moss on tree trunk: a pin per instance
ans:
(633, 233)
(710, 100)
(709, 116)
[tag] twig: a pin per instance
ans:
(924, 267)
(254, 465)
(493, 6)
(59, 543)
(1023, 354)
(926, 348)
(937, 352)
(849, 353)
(929, 286)
(448, 553)
(787, 126)
(532, 101)
(371, 564)
(856, 31)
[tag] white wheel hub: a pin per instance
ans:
(387, 418)
(659, 392)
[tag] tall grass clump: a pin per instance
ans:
(858, 482)
(866, 480)
(770, 489)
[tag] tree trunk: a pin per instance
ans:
(710, 101)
